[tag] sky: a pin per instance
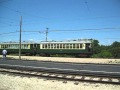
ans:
(65, 20)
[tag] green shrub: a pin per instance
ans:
(115, 52)
(103, 54)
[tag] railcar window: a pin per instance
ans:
(81, 45)
(77, 46)
(2, 46)
(45, 46)
(60, 46)
(48, 46)
(51, 46)
(34, 45)
(9, 46)
(67, 46)
(57, 46)
(28, 46)
(22, 46)
(12, 46)
(6, 46)
(63, 45)
(15, 47)
(25, 46)
(73, 46)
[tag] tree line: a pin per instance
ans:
(103, 51)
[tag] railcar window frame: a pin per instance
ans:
(62, 46)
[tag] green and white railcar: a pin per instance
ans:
(13, 48)
(76, 48)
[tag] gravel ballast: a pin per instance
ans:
(17, 82)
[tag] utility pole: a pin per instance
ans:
(20, 38)
(46, 34)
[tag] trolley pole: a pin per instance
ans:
(46, 34)
(20, 38)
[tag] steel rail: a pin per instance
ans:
(79, 78)
(60, 71)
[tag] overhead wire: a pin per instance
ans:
(112, 38)
(20, 12)
(8, 33)
(97, 29)
(86, 3)
(39, 31)
(2, 1)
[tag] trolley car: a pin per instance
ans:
(75, 48)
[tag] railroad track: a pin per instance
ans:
(66, 76)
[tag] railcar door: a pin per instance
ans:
(88, 47)
(34, 49)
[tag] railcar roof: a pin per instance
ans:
(67, 42)
(16, 43)
(48, 42)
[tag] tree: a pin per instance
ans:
(95, 47)
(115, 44)
(115, 49)
(95, 43)
(102, 51)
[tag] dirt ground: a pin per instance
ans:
(66, 59)
(17, 82)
